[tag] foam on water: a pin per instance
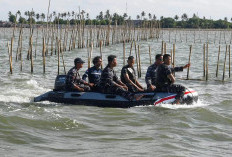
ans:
(197, 104)
(22, 95)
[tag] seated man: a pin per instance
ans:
(150, 77)
(73, 78)
(165, 79)
(94, 73)
(111, 84)
(128, 76)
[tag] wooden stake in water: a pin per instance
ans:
(124, 53)
(140, 71)
(174, 53)
(171, 58)
(91, 52)
(58, 57)
(31, 56)
(89, 60)
(224, 68)
(10, 59)
(131, 47)
(165, 48)
(44, 49)
(11, 48)
(190, 53)
(229, 60)
(219, 51)
(63, 61)
(137, 62)
(150, 54)
(20, 55)
(204, 60)
(162, 48)
(101, 54)
(207, 61)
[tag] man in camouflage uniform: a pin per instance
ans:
(128, 76)
(73, 78)
(94, 73)
(165, 78)
(111, 84)
(150, 77)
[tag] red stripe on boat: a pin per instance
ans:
(171, 97)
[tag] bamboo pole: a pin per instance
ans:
(19, 41)
(190, 53)
(58, 58)
(124, 53)
(89, 60)
(171, 58)
(207, 61)
(219, 51)
(11, 53)
(63, 61)
(10, 60)
(20, 55)
(174, 54)
(44, 50)
(165, 48)
(224, 68)
(90, 55)
(101, 53)
(229, 61)
(140, 71)
(137, 62)
(162, 48)
(131, 47)
(31, 56)
(204, 56)
(52, 40)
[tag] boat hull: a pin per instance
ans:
(111, 100)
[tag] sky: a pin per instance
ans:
(211, 9)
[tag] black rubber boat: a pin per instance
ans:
(59, 95)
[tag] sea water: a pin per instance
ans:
(51, 129)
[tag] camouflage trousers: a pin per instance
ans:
(173, 88)
(85, 87)
(131, 88)
(119, 91)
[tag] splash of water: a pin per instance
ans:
(197, 104)
(19, 95)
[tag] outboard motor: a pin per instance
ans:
(60, 83)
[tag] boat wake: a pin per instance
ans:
(21, 92)
(197, 104)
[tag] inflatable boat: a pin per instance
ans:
(59, 95)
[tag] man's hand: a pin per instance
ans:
(91, 84)
(186, 66)
(171, 78)
(140, 89)
(151, 88)
(81, 89)
(125, 87)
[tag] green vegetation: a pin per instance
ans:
(106, 18)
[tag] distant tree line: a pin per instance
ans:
(106, 18)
